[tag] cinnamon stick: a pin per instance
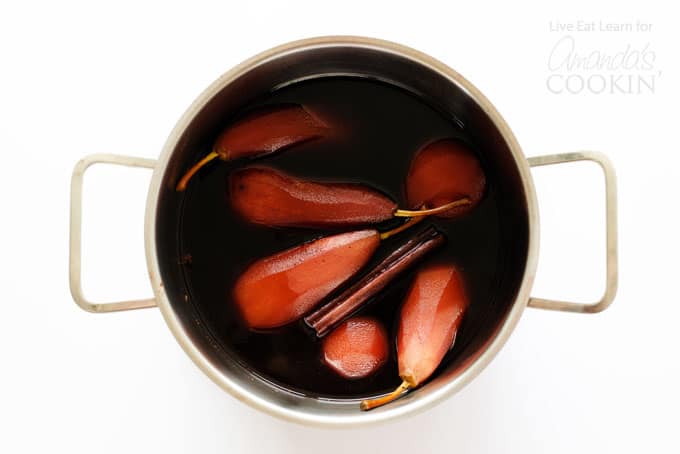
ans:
(331, 314)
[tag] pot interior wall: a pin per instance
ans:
(432, 87)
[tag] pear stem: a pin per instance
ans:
(431, 211)
(408, 224)
(370, 404)
(181, 186)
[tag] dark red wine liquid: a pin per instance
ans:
(378, 128)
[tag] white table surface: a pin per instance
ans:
(77, 78)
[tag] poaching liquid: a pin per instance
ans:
(377, 129)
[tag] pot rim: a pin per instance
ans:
(416, 405)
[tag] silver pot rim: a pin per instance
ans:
(418, 404)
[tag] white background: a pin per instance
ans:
(76, 78)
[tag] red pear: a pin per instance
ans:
(279, 289)
(428, 323)
(444, 171)
(260, 133)
(267, 131)
(270, 197)
(357, 348)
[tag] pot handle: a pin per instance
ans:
(611, 223)
(75, 230)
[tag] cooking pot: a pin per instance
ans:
(362, 57)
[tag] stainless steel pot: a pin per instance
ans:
(339, 55)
